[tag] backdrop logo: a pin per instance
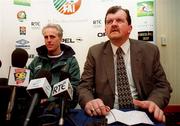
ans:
(101, 34)
(145, 8)
(21, 16)
(23, 2)
(22, 30)
(22, 43)
(67, 7)
(97, 23)
(145, 35)
(35, 25)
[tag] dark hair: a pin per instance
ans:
(114, 9)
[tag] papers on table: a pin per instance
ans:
(129, 118)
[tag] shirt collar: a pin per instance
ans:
(57, 56)
(125, 47)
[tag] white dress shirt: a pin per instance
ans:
(127, 60)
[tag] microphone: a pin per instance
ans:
(41, 84)
(18, 75)
(64, 90)
(19, 58)
(38, 88)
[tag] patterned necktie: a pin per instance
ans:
(124, 93)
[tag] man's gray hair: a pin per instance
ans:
(56, 26)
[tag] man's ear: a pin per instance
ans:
(130, 29)
(105, 31)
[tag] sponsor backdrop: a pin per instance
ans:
(21, 22)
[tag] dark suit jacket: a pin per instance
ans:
(98, 79)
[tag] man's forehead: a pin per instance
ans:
(119, 13)
(50, 31)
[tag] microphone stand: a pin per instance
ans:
(61, 120)
(31, 109)
(11, 104)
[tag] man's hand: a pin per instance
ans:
(96, 107)
(43, 101)
(152, 108)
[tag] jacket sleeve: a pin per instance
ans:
(162, 89)
(74, 71)
(85, 88)
(31, 67)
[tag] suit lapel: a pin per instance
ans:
(108, 62)
(136, 62)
